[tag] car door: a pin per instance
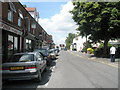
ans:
(43, 61)
(39, 61)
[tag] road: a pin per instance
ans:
(73, 70)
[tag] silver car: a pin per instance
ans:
(24, 66)
(52, 54)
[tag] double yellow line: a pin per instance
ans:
(103, 62)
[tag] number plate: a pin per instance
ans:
(16, 68)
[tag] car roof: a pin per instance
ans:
(25, 53)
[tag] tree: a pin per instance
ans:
(69, 40)
(100, 20)
(24, 6)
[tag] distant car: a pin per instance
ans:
(24, 66)
(45, 53)
(65, 49)
(52, 54)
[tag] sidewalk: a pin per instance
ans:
(97, 59)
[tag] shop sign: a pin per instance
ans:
(9, 28)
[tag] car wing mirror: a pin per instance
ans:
(39, 59)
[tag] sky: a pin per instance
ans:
(55, 19)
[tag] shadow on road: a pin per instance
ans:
(31, 84)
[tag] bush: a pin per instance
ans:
(90, 50)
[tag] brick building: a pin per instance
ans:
(20, 31)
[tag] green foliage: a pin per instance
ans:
(86, 46)
(100, 20)
(69, 40)
(24, 6)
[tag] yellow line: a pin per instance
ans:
(106, 63)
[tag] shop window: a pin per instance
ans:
(12, 45)
(10, 42)
(15, 44)
(28, 45)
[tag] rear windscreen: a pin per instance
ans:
(22, 58)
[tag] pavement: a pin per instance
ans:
(97, 59)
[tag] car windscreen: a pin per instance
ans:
(22, 58)
(43, 51)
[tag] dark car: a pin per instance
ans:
(24, 66)
(45, 53)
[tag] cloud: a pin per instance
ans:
(60, 24)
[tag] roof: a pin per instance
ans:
(30, 9)
(37, 13)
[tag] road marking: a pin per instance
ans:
(103, 62)
(44, 86)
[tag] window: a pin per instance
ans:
(10, 15)
(20, 17)
(22, 58)
(12, 7)
(15, 43)
(33, 25)
(28, 45)
(29, 25)
(10, 42)
(19, 21)
(20, 14)
(12, 45)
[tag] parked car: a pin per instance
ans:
(57, 51)
(45, 53)
(24, 66)
(52, 54)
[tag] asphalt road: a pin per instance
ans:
(73, 70)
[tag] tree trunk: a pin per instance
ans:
(105, 50)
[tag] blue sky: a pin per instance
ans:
(46, 9)
(55, 18)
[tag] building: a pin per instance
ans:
(33, 12)
(77, 44)
(20, 31)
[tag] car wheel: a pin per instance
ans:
(38, 79)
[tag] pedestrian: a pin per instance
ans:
(112, 53)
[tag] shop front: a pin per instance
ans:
(11, 38)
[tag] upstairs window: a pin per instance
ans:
(11, 10)
(12, 7)
(10, 15)
(20, 17)
(19, 21)
(20, 14)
